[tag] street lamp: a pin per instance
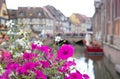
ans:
(97, 3)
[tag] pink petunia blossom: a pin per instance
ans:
(33, 46)
(6, 37)
(65, 67)
(66, 77)
(45, 64)
(70, 63)
(22, 70)
(29, 56)
(44, 49)
(39, 74)
(13, 66)
(75, 75)
(29, 65)
(5, 75)
(65, 51)
(7, 54)
(49, 55)
(85, 76)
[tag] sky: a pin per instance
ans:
(67, 7)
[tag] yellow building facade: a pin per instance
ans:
(3, 12)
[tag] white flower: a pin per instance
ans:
(22, 32)
(58, 38)
(1, 69)
(21, 42)
(17, 55)
(3, 43)
(11, 48)
(10, 24)
(10, 32)
(39, 43)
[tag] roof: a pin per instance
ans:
(48, 10)
(56, 14)
(31, 12)
(81, 17)
(12, 13)
(1, 1)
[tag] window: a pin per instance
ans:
(4, 12)
(108, 11)
(41, 27)
(46, 14)
(13, 14)
(30, 14)
(21, 13)
(31, 27)
(39, 14)
(3, 0)
(117, 10)
(30, 19)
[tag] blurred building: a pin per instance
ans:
(82, 23)
(48, 18)
(61, 22)
(3, 14)
(89, 24)
(106, 27)
(33, 18)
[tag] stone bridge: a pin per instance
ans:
(70, 39)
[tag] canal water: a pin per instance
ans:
(96, 69)
(84, 65)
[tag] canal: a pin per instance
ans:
(96, 69)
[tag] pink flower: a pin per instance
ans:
(85, 76)
(44, 49)
(7, 54)
(49, 55)
(70, 63)
(33, 46)
(13, 66)
(6, 38)
(75, 75)
(22, 70)
(45, 64)
(66, 66)
(63, 69)
(29, 65)
(65, 51)
(29, 56)
(39, 74)
(5, 75)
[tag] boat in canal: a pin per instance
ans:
(93, 50)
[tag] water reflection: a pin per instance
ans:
(85, 67)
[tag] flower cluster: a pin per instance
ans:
(25, 59)
(16, 39)
(43, 64)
